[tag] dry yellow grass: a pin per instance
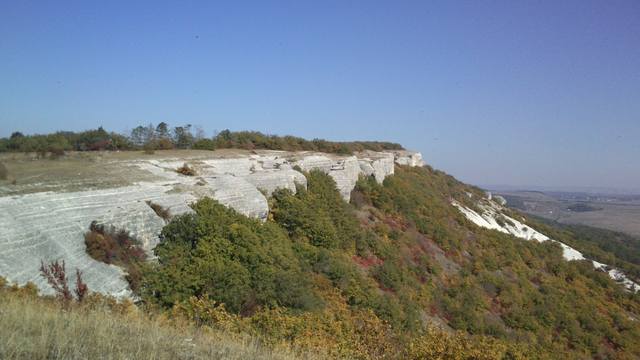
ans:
(33, 328)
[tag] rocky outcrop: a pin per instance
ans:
(409, 158)
(268, 181)
(378, 165)
(48, 226)
(238, 193)
(51, 225)
(344, 171)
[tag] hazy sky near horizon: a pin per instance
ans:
(494, 92)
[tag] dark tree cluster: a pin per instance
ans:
(163, 137)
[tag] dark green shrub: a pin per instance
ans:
(4, 173)
(204, 144)
(233, 259)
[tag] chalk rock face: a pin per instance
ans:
(315, 162)
(51, 225)
(409, 158)
(271, 180)
(239, 194)
(345, 171)
(235, 166)
(378, 165)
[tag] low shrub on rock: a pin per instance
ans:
(186, 170)
(112, 246)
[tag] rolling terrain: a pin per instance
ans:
(612, 212)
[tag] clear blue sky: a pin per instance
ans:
(493, 92)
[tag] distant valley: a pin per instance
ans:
(617, 212)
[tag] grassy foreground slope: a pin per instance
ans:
(39, 328)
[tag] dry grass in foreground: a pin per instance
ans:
(34, 328)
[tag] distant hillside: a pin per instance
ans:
(616, 212)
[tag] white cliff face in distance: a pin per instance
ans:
(50, 224)
(491, 212)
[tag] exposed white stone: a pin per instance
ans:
(378, 165)
(239, 194)
(51, 225)
(410, 158)
(315, 162)
(488, 219)
(366, 167)
(345, 171)
(500, 200)
(271, 180)
(267, 162)
(241, 166)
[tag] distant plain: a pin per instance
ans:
(612, 212)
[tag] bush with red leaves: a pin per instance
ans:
(56, 275)
(117, 247)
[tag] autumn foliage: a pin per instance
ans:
(56, 275)
(112, 246)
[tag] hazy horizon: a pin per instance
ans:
(526, 94)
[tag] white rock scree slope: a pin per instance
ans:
(51, 225)
(492, 211)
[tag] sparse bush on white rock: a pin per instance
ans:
(491, 212)
(51, 225)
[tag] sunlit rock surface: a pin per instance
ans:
(491, 212)
(410, 158)
(378, 165)
(50, 225)
(271, 180)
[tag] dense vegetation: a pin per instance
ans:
(610, 247)
(162, 137)
(56, 144)
(382, 274)
(255, 140)
(396, 273)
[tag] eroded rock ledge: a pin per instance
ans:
(50, 225)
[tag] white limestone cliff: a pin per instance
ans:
(410, 158)
(50, 225)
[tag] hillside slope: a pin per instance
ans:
(399, 271)
(399, 254)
